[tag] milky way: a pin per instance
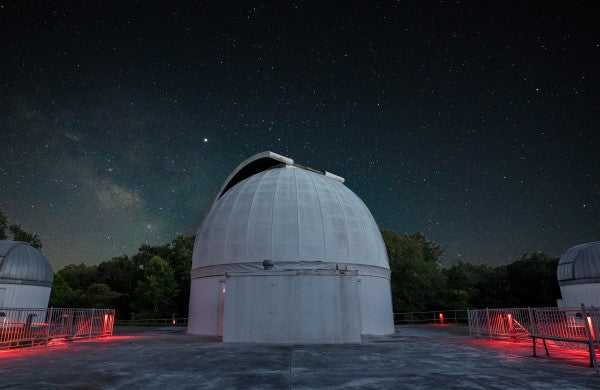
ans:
(476, 125)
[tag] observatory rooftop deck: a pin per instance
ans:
(414, 357)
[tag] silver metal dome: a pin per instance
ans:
(580, 264)
(20, 263)
(288, 213)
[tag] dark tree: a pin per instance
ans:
(463, 283)
(19, 234)
(417, 280)
(3, 226)
(493, 289)
(79, 277)
(181, 262)
(99, 295)
(156, 292)
(63, 295)
(532, 280)
(121, 275)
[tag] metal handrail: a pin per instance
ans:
(153, 321)
(22, 327)
(453, 316)
(566, 327)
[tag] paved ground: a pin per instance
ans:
(415, 357)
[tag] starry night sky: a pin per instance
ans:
(474, 123)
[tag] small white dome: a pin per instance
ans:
(287, 213)
(20, 263)
(580, 264)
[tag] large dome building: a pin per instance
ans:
(25, 276)
(578, 274)
(288, 254)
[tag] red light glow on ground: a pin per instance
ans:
(523, 350)
(61, 345)
(114, 338)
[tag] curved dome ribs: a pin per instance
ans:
(258, 186)
(235, 221)
(580, 264)
(344, 218)
(321, 214)
(287, 213)
(23, 264)
(359, 216)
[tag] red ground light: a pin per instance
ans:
(523, 350)
(60, 345)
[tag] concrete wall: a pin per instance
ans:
(376, 311)
(23, 296)
(206, 310)
(302, 306)
(206, 306)
(574, 295)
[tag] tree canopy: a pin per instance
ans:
(155, 282)
(417, 280)
(3, 226)
(419, 283)
(18, 233)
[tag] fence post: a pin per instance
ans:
(532, 321)
(595, 315)
(112, 322)
(48, 324)
(469, 322)
(91, 324)
(489, 325)
(587, 321)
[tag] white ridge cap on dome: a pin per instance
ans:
(261, 162)
(334, 176)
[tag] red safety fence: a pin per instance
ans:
(565, 327)
(21, 327)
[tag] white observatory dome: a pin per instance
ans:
(287, 253)
(289, 214)
(578, 275)
(25, 276)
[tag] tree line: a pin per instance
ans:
(420, 283)
(17, 232)
(155, 282)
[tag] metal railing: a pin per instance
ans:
(153, 321)
(566, 327)
(28, 327)
(500, 323)
(432, 317)
(560, 322)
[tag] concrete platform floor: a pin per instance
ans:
(420, 357)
